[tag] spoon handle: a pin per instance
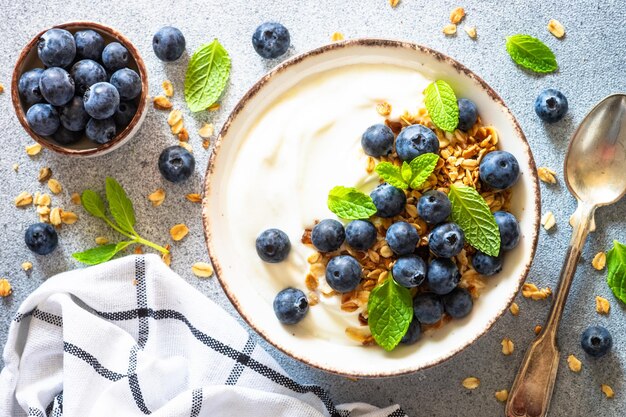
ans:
(532, 389)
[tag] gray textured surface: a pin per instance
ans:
(591, 62)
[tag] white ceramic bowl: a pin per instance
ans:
(239, 282)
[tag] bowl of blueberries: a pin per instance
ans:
(80, 89)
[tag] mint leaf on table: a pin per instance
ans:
(350, 203)
(440, 102)
(616, 270)
(92, 202)
(472, 214)
(390, 310)
(206, 77)
(120, 206)
(531, 53)
(100, 254)
(422, 167)
(392, 175)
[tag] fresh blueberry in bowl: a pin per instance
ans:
(271, 40)
(499, 170)
(343, 273)
(402, 238)
(101, 131)
(101, 100)
(176, 163)
(446, 240)
(328, 235)
(56, 86)
(73, 115)
(168, 43)
(468, 114)
(43, 119)
(485, 264)
(509, 229)
(115, 56)
(56, 48)
(124, 113)
(360, 234)
(551, 105)
(596, 341)
(389, 200)
(127, 83)
(86, 73)
(409, 271)
(443, 276)
(66, 137)
(89, 44)
(434, 207)
(458, 303)
(41, 238)
(290, 306)
(377, 140)
(416, 140)
(413, 333)
(428, 308)
(28, 86)
(273, 245)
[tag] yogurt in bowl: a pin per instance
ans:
(295, 136)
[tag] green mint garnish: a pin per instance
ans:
(422, 167)
(391, 174)
(206, 76)
(411, 174)
(350, 203)
(440, 101)
(616, 270)
(531, 53)
(123, 213)
(390, 310)
(472, 214)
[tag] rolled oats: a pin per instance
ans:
(178, 127)
(174, 117)
(167, 257)
(5, 287)
(449, 29)
(502, 395)
(313, 298)
(599, 261)
(179, 231)
(607, 390)
(384, 108)
(27, 266)
(194, 197)
(537, 329)
(507, 346)
(23, 199)
(457, 15)
(471, 31)
(183, 135)
(311, 282)
(168, 88)
(101, 240)
(574, 364)
(157, 197)
(68, 217)
(394, 3)
(44, 174)
(206, 143)
(548, 220)
(514, 309)
(471, 382)
(138, 250)
(337, 36)
(602, 305)
(186, 145)
(386, 252)
(54, 186)
(531, 291)
(556, 28)
(206, 131)
(162, 103)
(1, 88)
(214, 107)
(55, 217)
(42, 199)
(75, 198)
(34, 149)
(546, 175)
(202, 269)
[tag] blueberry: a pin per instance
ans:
(56, 48)
(377, 140)
(101, 100)
(89, 44)
(360, 234)
(389, 200)
(73, 115)
(41, 238)
(343, 273)
(428, 308)
(434, 207)
(416, 140)
(509, 229)
(402, 238)
(457, 303)
(66, 137)
(86, 73)
(290, 306)
(273, 245)
(115, 56)
(328, 235)
(413, 333)
(101, 130)
(176, 163)
(446, 240)
(468, 114)
(487, 265)
(124, 113)
(551, 105)
(56, 86)
(43, 119)
(28, 86)
(409, 271)
(127, 82)
(443, 276)
(271, 40)
(168, 44)
(596, 341)
(499, 170)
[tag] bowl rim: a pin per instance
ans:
(368, 42)
(119, 138)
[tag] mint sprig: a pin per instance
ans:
(616, 270)
(206, 77)
(530, 53)
(472, 214)
(422, 167)
(391, 174)
(350, 203)
(412, 174)
(390, 311)
(441, 104)
(123, 213)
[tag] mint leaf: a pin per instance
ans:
(391, 174)
(531, 53)
(406, 172)
(472, 214)
(92, 202)
(100, 254)
(616, 270)
(390, 310)
(350, 203)
(422, 167)
(120, 206)
(206, 77)
(441, 104)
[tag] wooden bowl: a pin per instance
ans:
(28, 60)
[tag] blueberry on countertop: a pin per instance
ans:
(115, 56)
(434, 207)
(443, 276)
(377, 140)
(41, 238)
(66, 137)
(360, 234)
(56, 48)
(596, 341)
(176, 163)
(290, 306)
(101, 100)
(124, 113)
(416, 140)
(487, 265)
(101, 131)
(56, 86)
(402, 238)
(328, 235)
(271, 40)
(457, 303)
(446, 240)
(428, 308)
(409, 271)
(127, 82)
(43, 119)
(73, 115)
(343, 273)
(28, 86)
(86, 73)
(499, 170)
(413, 333)
(509, 229)
(168, 43)
(273, 245)
(89, 44)
(468, 114)
(389, 200)
(551, 105)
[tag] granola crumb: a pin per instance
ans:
(1, 88)
(183, 135)
(450, 29)
(162, 103)
(168, 88)
(157, 197)
(607, 390)
(55, 217)
(337, 36)
(101, 240)
(177, 127)
(206, 131)
(602, 305)
(507, 346)
(313, 298)
(531, 291)
(599, 261)
(547, 175)
(471, 31)
(556, 28)
(214, 107)
(34, 149)
(202, 269)
(68, 217)
(574, 364)
(5, 287)
(44, 174)
(167, 257)
(384, 108)
(548, 220)
(179, 231)
(457, 15)
(194, 197)
(186, 145)
(23, 199)
(394, 3)
(27, 266)
(514, 309)
(54, 186)
(138, 250)
(175, 117)
(502, 395)
(471, 382)
(538, 329)
(75, 198)
(206, 143)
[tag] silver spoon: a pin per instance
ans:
(594, 174)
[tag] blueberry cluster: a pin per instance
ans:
(86, 86)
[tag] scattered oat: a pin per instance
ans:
(23, 199)
(599, 261)
(174, 117)
(206, 143)
(514, 309)
(608, 391)
(507, 346)
(167, 257)
(161, 103)
(16, 167)
(168, 88)
(538, 329)
(502, 395)
(394, 3)
(574, 364)
(1, 88)
(313, 298)
(214, 107)
(471, 382)
(54, 186)
(68, 217)
(471, 31)
(602, 305)
(27, 266)
(179, 231)
(5, 287)
(138, 250)
(42, 199)
(183, 135)
(194, 197)
(157, 197)
(337, 36)
(186, 145)
(548, 221)
(206, 131)
(311, 282)
(457, 15)
(531, 291)
(101, 240)
(44, 174)
(202, 269)
(449, 29)
(178, 127)
(556, 28)
(55, 216)
(384, 108)
(33, 149)
(547, 175)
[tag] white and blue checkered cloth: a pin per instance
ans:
(131, 338)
